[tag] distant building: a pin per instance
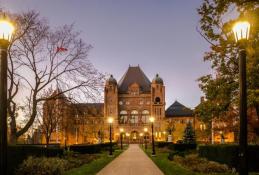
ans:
(177, 116)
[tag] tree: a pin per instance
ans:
(221, 91)
(189, 134)
(39, 57)
(50, 116)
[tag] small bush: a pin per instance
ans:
(202, 165)
(172, 154)
(75, 159)
(43, 166)
(22, 152)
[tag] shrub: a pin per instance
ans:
(228, 154)
(19, 153)
(75, 160)
(197, 164)
(42, 166)
(182, 147)
(91, 149)
(163, 144)
(172, 154)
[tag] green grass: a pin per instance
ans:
(95, 166)
(171, 168)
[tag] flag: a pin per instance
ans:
(61, 49)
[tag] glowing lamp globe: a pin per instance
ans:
(241, 30)
(110, 120)
(6, 30)
(152, 119)
(145, 129)
(121, 129)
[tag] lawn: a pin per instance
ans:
(94, 166)
(171, 168)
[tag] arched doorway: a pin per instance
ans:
(134, 137)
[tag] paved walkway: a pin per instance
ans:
(131, 162)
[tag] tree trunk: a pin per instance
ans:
(47, 141)
(13, 138)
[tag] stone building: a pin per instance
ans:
(131, 102)
(176, 118)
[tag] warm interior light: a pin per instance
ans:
(6, 30)
(145, 129)
(241, 30)
(121, 129)
(110, 120)
(140, 134)
(151, 119)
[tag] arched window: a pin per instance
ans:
(134, 117)
(123, 117)
(145, 112)
(145, 116)
(123, 113)
(134, 112)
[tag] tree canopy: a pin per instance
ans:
(221, 89)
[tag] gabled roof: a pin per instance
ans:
(89, 109)
(178, 110)
(134, 75)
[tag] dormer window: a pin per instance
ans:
(133, 89)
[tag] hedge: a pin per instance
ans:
(91, 148)
(16, 154)
(182, 147)
(228, 154)
(163, 144)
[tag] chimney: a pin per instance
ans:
(202, 99)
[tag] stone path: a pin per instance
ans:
(131, 162)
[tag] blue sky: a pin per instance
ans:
(160, 36)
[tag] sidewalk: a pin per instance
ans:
(132, 162)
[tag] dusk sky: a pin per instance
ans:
(160, 36)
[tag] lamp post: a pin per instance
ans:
(145, 138)
(121, 137)
(241, 31)
(141, 138)
(6, 31)
(110, 120)
(152, 119)
(164, 135)
(127, 135)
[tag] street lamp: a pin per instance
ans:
(164, 135)
(152, 120)
(141, 138)
(127, 135)
(121, 134)
(6, 31)
(110, 121)
(241, 31)
(145, 138)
